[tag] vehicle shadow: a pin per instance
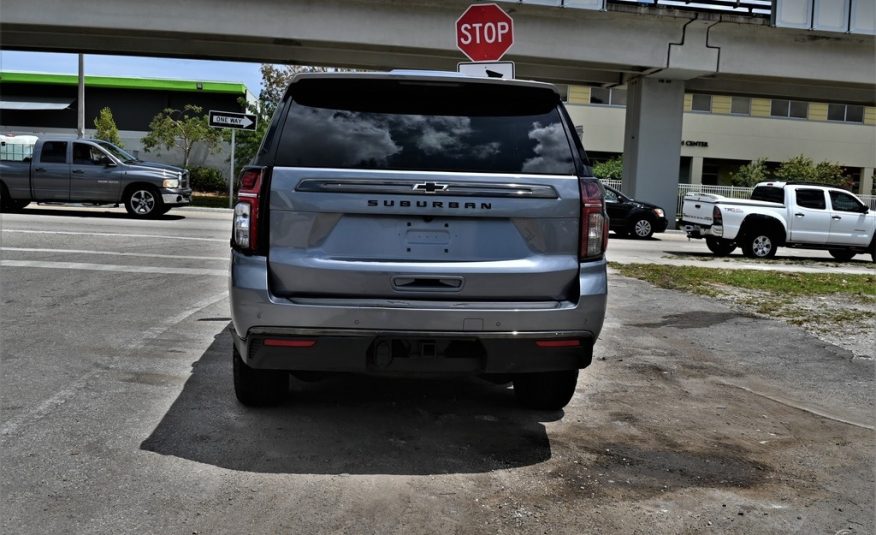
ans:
(351, 425)
(96, 212)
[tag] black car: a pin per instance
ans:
(631, 217)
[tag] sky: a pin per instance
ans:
(141, 67)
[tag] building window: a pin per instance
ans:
(789, 108)
(740, 106)
(848, 113)
(702, 103)
(609, 97)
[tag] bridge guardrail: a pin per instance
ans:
(762, 8)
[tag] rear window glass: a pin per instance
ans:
(768, 194)
(429, 126)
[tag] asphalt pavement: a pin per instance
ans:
(118, 413)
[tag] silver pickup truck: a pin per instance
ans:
(418, 224)
(64, 170)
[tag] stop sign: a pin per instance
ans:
(484, 32)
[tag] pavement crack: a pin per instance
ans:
(798, 406)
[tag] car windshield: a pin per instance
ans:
(118, 152)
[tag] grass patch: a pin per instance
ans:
(209, 201)
(833, 305)
(709, 281)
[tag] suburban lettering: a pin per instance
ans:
(434, 204)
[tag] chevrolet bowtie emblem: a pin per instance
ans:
(430, 187)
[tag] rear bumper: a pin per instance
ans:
(694, 230)
(486, 337)
(414, 353)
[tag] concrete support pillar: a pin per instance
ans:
(696, 170)
(652, 142)
(866, 181)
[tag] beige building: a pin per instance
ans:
(722, 132)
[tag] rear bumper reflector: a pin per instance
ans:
(558, 343)
(278, 342)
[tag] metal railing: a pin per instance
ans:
(759, 8)
(734, 192)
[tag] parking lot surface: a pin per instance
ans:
(118, 413)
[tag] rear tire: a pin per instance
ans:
(642, 229)
(546, 390)
(720, 247)
(258, 388)
(759, 244)
(8, 205)
(843, 255)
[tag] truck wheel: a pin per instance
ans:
(642, 229)
(144, 202)
(546, 390)
(720, 246)
(7, 204)
(842, 255)
(759, 244)
(258, 388)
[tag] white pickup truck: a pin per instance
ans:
(789, 214)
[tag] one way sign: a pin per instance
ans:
(230, 119)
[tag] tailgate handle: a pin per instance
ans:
(427, 284)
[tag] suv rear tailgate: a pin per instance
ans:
(426, 235)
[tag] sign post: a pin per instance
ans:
(235, 121)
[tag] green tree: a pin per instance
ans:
(610, 169)
(106, 127)
(803, 169)
(750, 174)
(800, 168)
(182, 129)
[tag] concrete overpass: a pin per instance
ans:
(656, 52)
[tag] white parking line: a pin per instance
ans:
(113, 267)
(24, 231)
(82, 251)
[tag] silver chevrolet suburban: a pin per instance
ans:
(418, 224)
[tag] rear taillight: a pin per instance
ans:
(717, 218)
(246, 211)
(594, 227)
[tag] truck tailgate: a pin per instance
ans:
(697, 208)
